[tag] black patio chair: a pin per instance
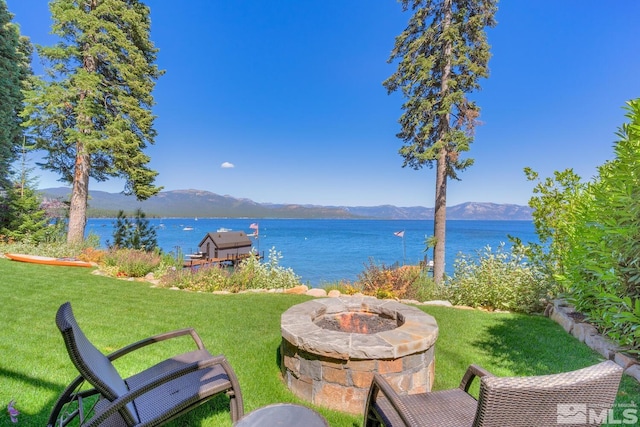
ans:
(149, 398)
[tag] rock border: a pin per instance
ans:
(571, 321)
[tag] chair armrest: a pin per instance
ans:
(157, 338)
(123, 400)
(472, 372)
(380, 385)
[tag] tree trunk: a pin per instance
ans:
(79, 197)
(80, 190)
(440, 217)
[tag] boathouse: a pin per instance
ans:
(225, 245)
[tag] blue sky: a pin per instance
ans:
(289, 93)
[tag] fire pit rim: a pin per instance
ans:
(418, 330)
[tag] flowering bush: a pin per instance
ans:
(204, 279)
(131, 262)
(249, 274)
(386, 282)
(91, 255)
(253, 274)
(500, 280)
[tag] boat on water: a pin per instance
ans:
(35, 259)
(187, 229)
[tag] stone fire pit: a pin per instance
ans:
(333, 368)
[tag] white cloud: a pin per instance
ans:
(227, 165)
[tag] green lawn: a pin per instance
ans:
(34, 366)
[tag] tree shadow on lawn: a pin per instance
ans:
(197, 416)
(31, 382)
(530, 345)
(525, 345)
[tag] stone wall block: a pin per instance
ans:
(633, 371)
(389, 366)
(602, 345)
(301, 387)
(333, 375)
(311, 368)
(562, 319)
(361, 379)
(582, 330)
(624, 360)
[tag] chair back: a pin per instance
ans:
(579, 397)
(94, 366)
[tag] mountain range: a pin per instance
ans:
(205, 204)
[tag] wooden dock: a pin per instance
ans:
(196, 262)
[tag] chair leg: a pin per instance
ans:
(372, 421)
(236, 406)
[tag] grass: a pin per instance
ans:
(34, 366)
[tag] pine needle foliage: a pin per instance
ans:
(92, 113)
(440, 56)
(15, 58)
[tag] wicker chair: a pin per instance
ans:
(151, 397)
(503, 401)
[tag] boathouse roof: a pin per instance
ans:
(227, 239)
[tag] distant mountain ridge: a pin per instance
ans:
(205, 204)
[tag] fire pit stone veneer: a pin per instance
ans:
(334, 369)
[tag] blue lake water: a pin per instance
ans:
(327, 250)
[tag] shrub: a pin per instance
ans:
(92, 255)
(203, 279)
(424, 288)
(253, 274)
(603, 263)
(344, 287)
(131, 262)
(387, 282)
(56, 249)
(249, 274)
(500, 280)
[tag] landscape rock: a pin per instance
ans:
(317, 292)
(563, 305)
(602, 345)
(442, 303)
(560, 317)
(582, 330)
(624, 360)
(99, 273)
(633, 371)
(334, 293)
(298, 290)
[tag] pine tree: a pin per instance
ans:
(146, 236)
(136, 234)
(28, 221)
(441, 55)
(121, 231)
(25, 220)
(93, 114)
(15, 58)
